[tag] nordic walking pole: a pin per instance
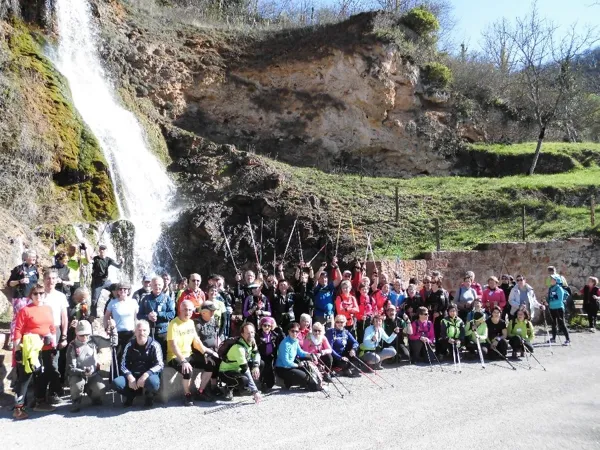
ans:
(428, 356)
(430, 347)
(337, 240)
(313, 258)
(228, 248)
(326, 369)
(547, 332)
(289, 240)
(261, 239)
(367, 250)
(275, 250)
(364, 373)
(478, 347)
(300, 244)
(458, 357)
(374, 372)
(533, 356)
(454, 357)
(253, 242)
(503, 357)
(316, 381)
(174, 263)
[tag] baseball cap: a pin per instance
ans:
(102, 247)
(83, 328)
(208, 306)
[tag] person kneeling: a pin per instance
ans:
(520, 333)
(343, 348)
(240, 367)
(477, 328)
(371, 351)
(391, 322)
(422, 337)
(317, 344)
(83, 367)
(497, 335)
(141, 366)
(452, 333)
(293, 373)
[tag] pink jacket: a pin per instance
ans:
(490, 297)
(310, 347)
(422, 329)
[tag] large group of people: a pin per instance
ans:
(304, 331)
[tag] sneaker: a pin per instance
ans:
(54, 399)
(551, 341)
(128, 402)
(149, 402)
(187, 400)
(377, 366)
(592, 330)
(43, 407)
(20, 414)
(216, 392)
(567, 342)
(204, 396)
(327, 378)
(228, 396)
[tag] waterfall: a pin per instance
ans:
(142, 187)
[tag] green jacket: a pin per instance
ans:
(453, 328)
(240, 354)
(523, 329)
(482, 332)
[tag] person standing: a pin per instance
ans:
(75, 263)
(522, 296)
(158, 309)
(100, 265)
(123, 311)
(324, 292)
(23, 279)
(556, 304)
(55, 367)
(194, 294)
(591, 301)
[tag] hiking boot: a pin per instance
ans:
(76, 406)
(128, 402)
(187, 400)
(228, 395)
(149, 402)
(327, 378)
(20, 414)
(43, 407)
(54, 399)
(204, 396)
(377, 366)
(514, 354)
(567, 343)
(346, 373)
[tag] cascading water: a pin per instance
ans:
(143, 189)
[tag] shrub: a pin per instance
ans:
(421, 21)
(436, 75)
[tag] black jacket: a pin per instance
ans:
(138, 360)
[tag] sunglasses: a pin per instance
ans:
(266, 325)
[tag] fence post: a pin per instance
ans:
(593, 210)
(397, 205)
(436, 222)
(523, 223)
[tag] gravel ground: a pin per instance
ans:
(492, 408)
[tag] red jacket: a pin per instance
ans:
(196, 298)
(347, 306)
(490, 297)
(35, 320)
(367, 306)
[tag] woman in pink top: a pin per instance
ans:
(317, 344)
(422, 337)
(493, 296)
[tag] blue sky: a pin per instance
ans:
(474, 15)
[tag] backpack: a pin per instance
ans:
(225, 346)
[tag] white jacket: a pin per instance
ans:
(514, 300)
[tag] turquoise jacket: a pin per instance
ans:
(288, 351)
(556, 297)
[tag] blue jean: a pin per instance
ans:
(150, 387)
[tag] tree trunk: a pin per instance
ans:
(537, 150)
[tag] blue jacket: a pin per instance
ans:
(323, 299)
(340, 340)
(396, 299)
(556, 297)
(164, 307)
(288, 351)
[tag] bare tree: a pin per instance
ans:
(544, 77)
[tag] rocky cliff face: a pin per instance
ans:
(336, 98)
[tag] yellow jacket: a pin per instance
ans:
(31, 345)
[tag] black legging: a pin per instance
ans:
(418, 351)
(295, 377)
(401, 349)
(267, 372)
(558, 315)
(592, 315)
(472, 347)
(501, 347)
(517, 343)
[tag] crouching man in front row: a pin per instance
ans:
(82, 364)
(141, 366)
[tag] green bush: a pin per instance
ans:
(421, 21)
(436, 75)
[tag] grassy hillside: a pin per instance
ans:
(470, 210)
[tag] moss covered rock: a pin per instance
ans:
(79, 166)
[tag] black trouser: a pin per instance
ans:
(401, 349)
(502, 347)
(234, 380)
(517, 343)
(361, 326)
(558, 315)
(97, 285)
(210, 364)
(592, 316)
(418, 351)
(443, 347)
(161, 338)
(472, 347)
(196, 360)
(338, 362)
(49, 377)
(295, 377)
(267, 371)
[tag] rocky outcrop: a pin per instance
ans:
(336, 97)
